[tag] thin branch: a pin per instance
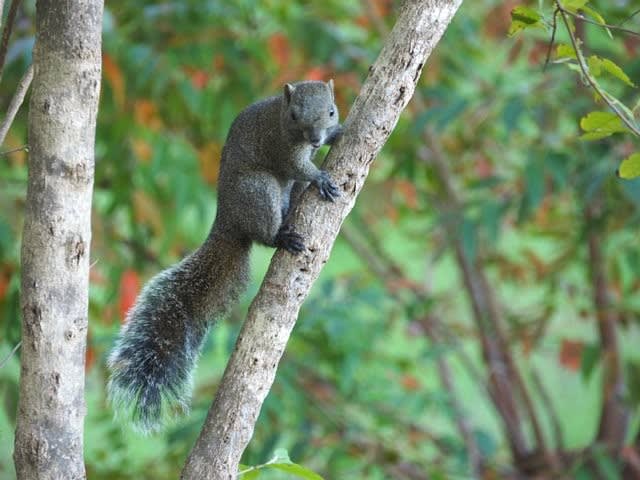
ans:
(16, 102)
(553, 415)
(594, 84)
(554, 28)
(593, 22)
(4, 45)
(14, 150)
(8, 357)
(629, 17)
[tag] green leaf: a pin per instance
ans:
(280, 456)
(524, 17)
(564, 50)
(574, 5)
(600, 125)
(630, 167)
(297, 470)
(598, 64)
(596, 16)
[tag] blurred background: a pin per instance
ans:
(481, 300)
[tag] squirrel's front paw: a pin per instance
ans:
(289, 240)
(326, 187)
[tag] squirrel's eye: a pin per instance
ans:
(293, 116)
(332, 112)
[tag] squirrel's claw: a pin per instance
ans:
(288, 239)
(327, 189)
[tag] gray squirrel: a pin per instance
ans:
(266, 160)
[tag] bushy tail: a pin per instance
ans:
(155, 354)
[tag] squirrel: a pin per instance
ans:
(266, 162)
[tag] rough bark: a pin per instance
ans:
(272, 315)
(56, 239)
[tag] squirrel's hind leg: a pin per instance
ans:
(261, 218)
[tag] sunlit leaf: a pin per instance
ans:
(630, 167)
(564, 50)
(600, 125)
(524, 17)
(598, 64)
(574, 5)
(297, 470)
(596, 16)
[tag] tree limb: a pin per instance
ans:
(16, 102)
(272, 315)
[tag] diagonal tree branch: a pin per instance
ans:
(16, 102)
(272, 315)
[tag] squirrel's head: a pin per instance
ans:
(309, 111)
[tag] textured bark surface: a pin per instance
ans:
(272, 315)
(56, 239)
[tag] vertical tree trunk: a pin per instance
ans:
(272, 315)
(56, 239)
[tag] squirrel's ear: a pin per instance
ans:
(288, 91)
(330, 85)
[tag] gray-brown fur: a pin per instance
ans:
(268, 153)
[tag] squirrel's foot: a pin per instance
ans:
(326, 187)
(288, 239)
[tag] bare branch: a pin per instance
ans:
(554, 29)
(272, 315)
(4, 44)
(14, 150)
(12, 353)
(15, 104)
(580, 16)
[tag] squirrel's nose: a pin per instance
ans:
(316, 140)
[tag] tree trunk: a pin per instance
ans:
(56, 239)
(272, 315)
